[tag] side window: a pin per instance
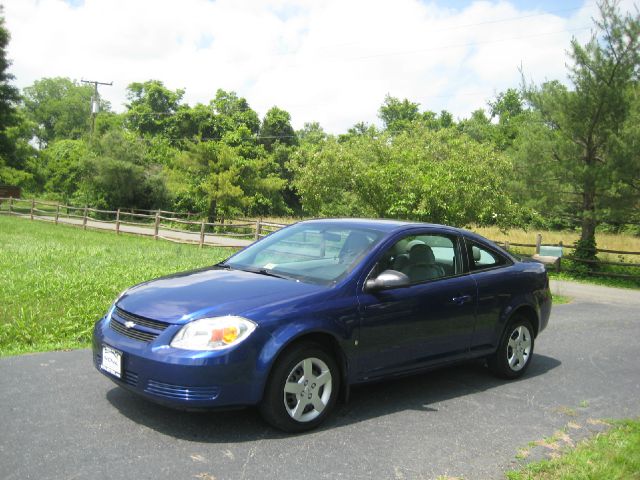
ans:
(423, 257)
(481, 258)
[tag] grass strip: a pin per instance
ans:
(612, 455)
(560, 299)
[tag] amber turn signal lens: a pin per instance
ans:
(230, 334)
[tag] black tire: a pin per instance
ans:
(279, 407)
(514, 354)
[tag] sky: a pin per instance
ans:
(330, 61)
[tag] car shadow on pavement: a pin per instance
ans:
(417, 392)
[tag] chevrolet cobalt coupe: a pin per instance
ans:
(292, 321)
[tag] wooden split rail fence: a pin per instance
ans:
(557, 261)
(179, 228)
(160, 224)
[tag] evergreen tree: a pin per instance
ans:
(9, 96)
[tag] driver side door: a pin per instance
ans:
(428, 322)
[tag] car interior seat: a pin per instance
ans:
(422, 263)
(354, 246)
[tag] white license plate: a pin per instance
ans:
(111, 361)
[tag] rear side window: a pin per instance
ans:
(482, 258)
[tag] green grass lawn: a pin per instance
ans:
(604, 281)
(56, 281)
(613, 455)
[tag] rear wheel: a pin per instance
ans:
(514, 353)
(302, 389)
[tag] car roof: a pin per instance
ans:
(382, 225)
(390, 225)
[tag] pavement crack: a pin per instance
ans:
(251, 453)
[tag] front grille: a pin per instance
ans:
(138, 320)
(181, 392)
(131, 332)
(119, 317)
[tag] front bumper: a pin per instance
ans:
(181, 378)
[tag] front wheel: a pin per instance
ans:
(302, 389)
(514, 353)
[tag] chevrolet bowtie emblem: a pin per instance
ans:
(129, 324)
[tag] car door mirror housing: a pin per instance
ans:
(386, 280)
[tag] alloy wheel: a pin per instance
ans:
(519, 348)
(307, 390)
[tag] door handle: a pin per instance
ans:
(462, 299)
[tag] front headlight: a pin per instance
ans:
(213, 333)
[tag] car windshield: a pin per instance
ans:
(311, 253)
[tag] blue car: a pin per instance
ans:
(291, 322)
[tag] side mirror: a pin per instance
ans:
(386, 280)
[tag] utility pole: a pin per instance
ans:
(95, 103)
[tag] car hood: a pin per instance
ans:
(209, 292)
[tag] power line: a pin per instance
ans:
(487, 22)
(505, 20)
(472, 44)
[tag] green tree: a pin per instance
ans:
(446, 119)
(19, 161)
(234, 112)
(421, 174)
(508, 107)
(9, 96)
(214, 177)
(194, 123)
(108, 121)
(60, 109)
(151, 107)
(587, 120)
(396, 114)
(18, 165)
(65, 167)
(276, 127)
(311, 134)
(478, 127)
(623, 196)
(116, 173)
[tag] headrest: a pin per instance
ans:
(356, 242)
(421, 253)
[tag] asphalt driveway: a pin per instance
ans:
(60, 419)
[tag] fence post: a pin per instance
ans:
(33, 205)
(118, 222)
(506, 245)
(84, 217)
(559, 258)
(157, 225)
(201, 233)
(10, 205)
(57, 213)
(538, 243)
(258, 228)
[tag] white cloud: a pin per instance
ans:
(330, 61)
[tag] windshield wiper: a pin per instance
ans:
(264, 271)
(222, 265)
